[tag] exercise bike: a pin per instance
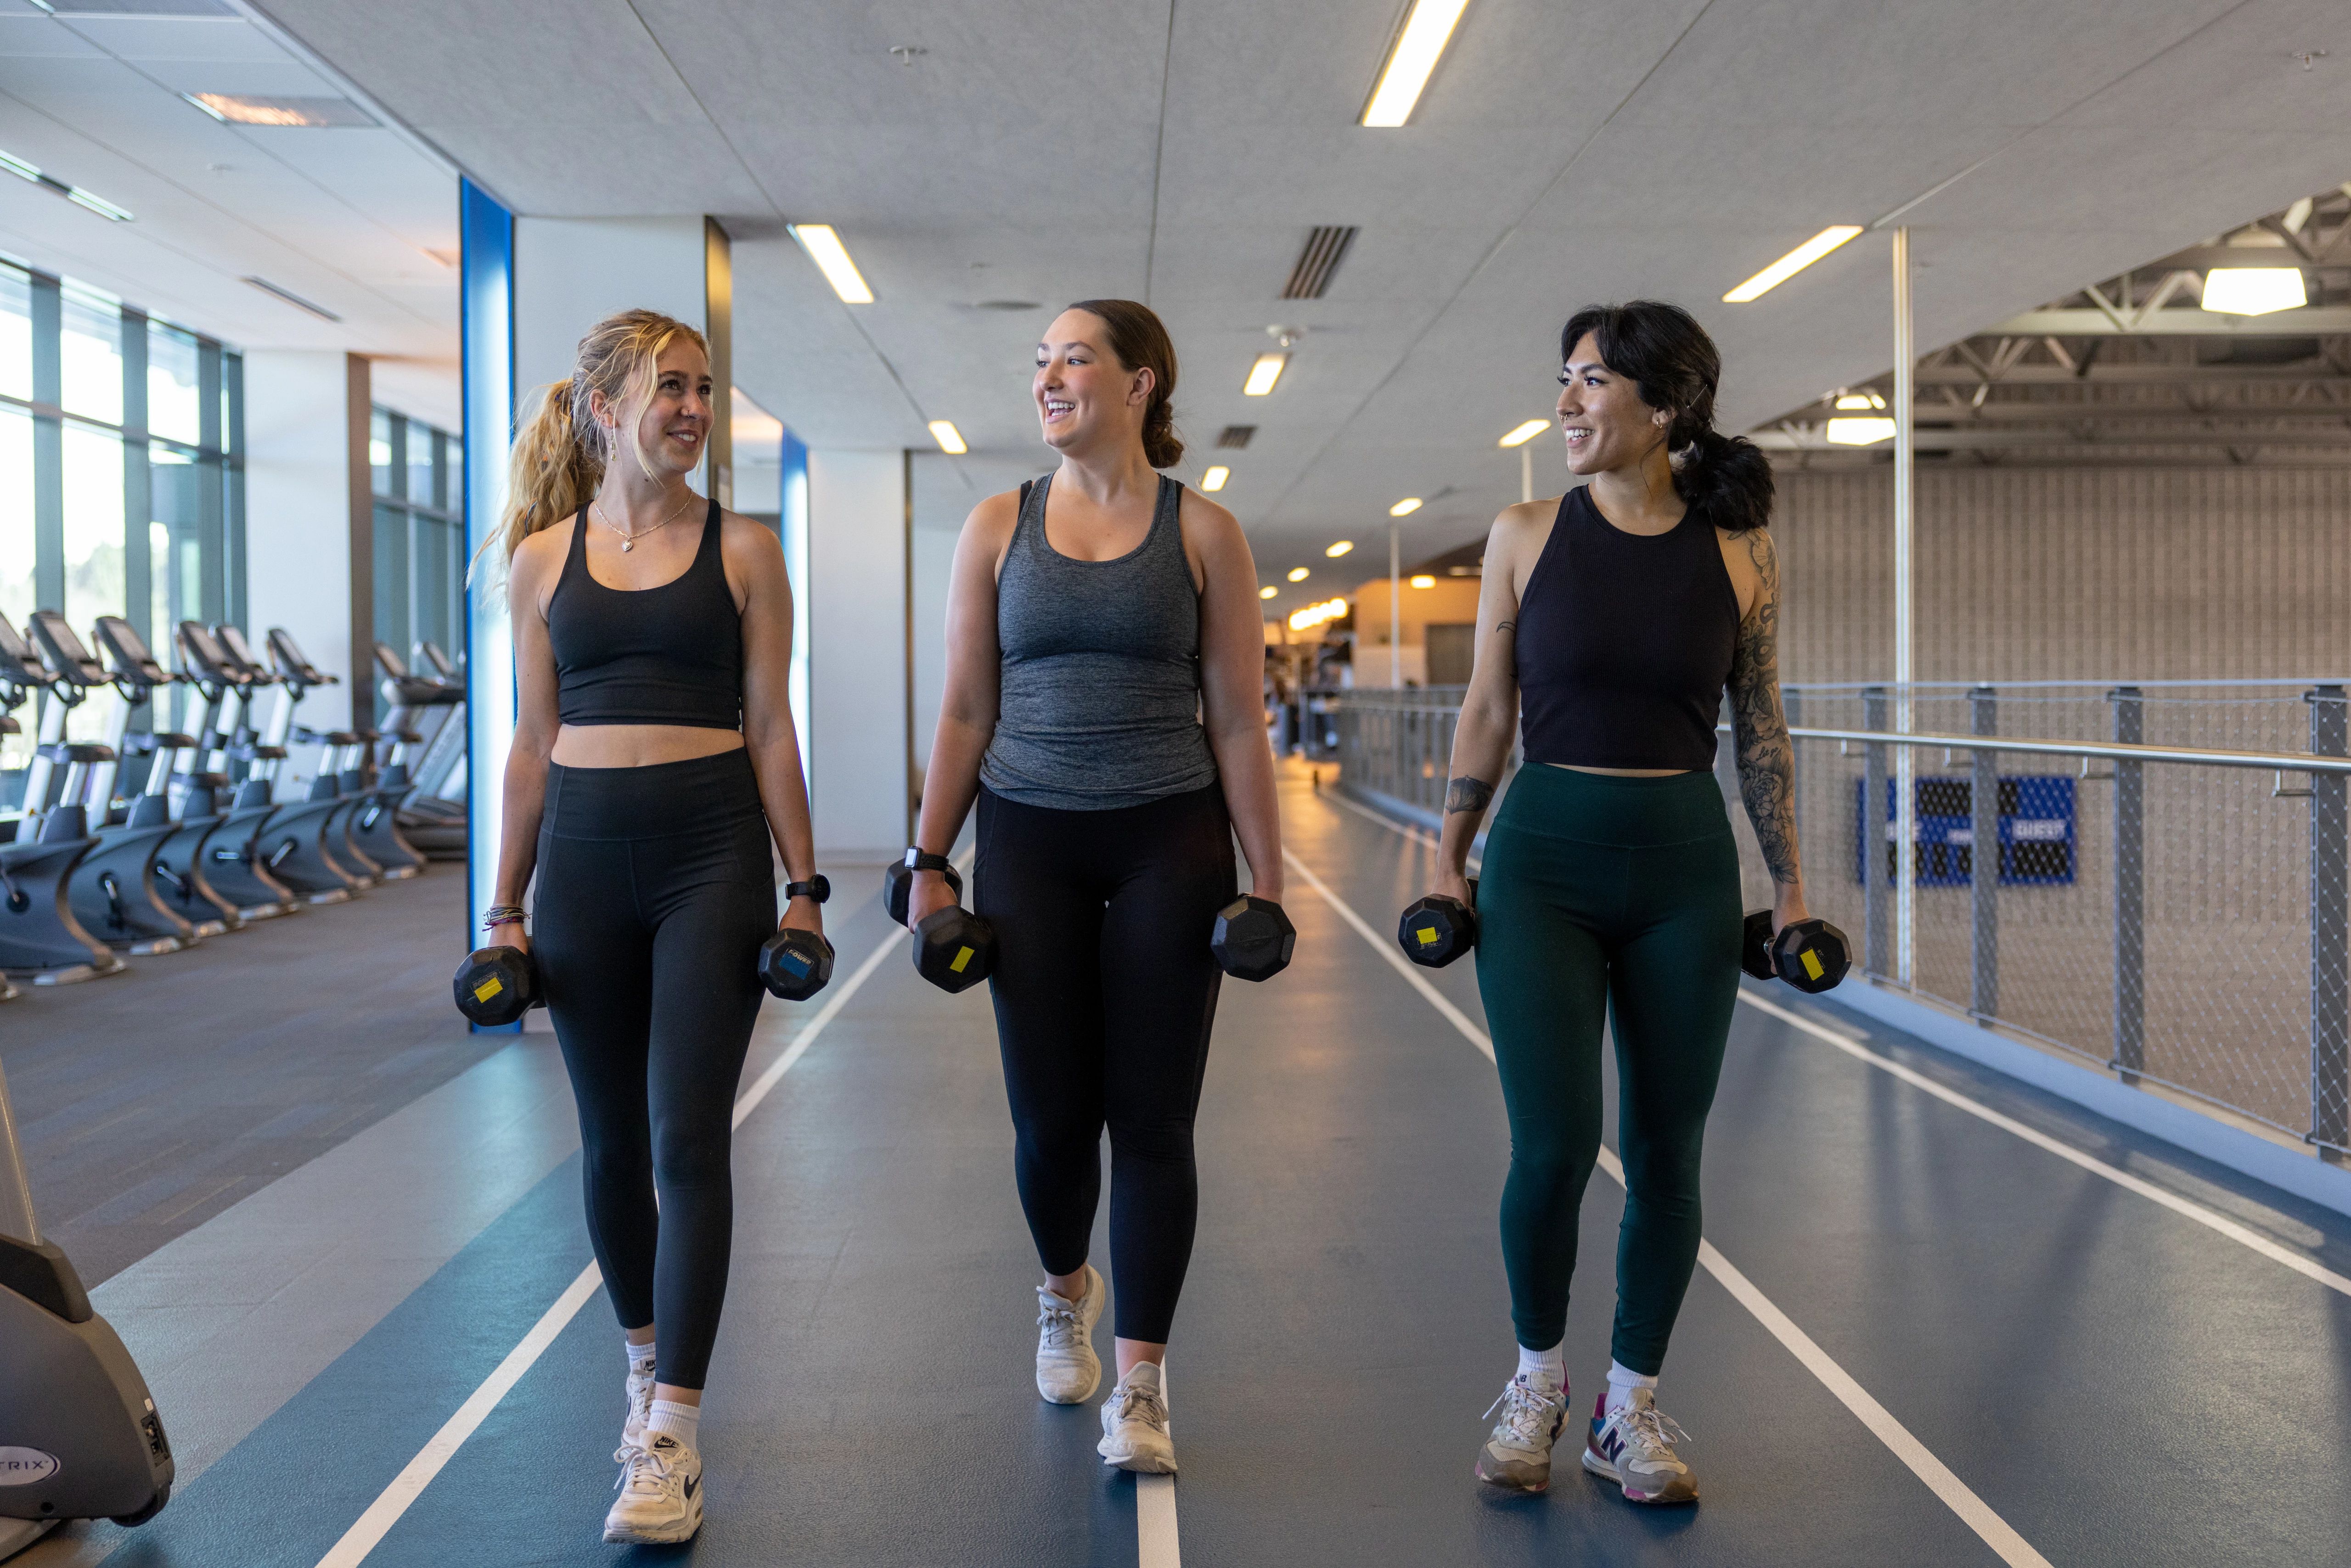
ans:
(79, 1435)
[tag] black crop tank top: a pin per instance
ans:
(672, 654)
(1625, 642)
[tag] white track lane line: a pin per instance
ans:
(1972, 1511)
(1155, 1515)
(2186, 1208)
(370, 1528)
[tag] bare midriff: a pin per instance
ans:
(1568, 767)
(638, 744)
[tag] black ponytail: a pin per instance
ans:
(1673, 365)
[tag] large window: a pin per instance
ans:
(121, 472)
(420, 535)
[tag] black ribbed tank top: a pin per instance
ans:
(1625, 642)
(670, 654)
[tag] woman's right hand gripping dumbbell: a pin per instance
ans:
(953, 948)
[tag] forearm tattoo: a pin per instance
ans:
(1467, 794)
(1759, 728)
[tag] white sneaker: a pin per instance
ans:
(640, 1406)
(1517, 1454)
(1135, 1424)
(1068, 1371)
(661, 1494)
(1634, 1448)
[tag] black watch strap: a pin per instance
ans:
(816, 887)
(922, 859)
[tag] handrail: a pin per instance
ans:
(2289, 761)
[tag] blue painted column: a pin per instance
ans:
(486, 292)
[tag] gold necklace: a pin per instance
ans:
(629, 541)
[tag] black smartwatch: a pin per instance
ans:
(815, 887)
(922, 859)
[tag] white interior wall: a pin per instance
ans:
(570, 273)
(297, 499)
(857, 653)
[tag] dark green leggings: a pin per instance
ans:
(1607, 900)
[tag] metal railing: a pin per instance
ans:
(2177, 912)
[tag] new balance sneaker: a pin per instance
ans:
(1517, 1454)
(1634, 1448)
(1135, 1424)
(661, 1493)
(1068, 1371)
(641, 1405)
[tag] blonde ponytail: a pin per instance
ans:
(560, 450)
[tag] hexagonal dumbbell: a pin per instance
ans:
(1252, 938)
(953, 948)
(795, 964)
(495, 985)
(1810, 955)
(1437, 930)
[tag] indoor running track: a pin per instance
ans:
(1922, 1334)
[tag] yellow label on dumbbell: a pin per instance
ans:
(1428, 936)
(963, 957)
(488, 989)
(1812, 962)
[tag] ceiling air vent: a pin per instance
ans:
(1324, 248)
(1233, 438)
(295, 300)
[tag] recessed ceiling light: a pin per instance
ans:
(1298, 574)
(1339, 549)
(831, 257)
(249, 109)
(1214, 479)
(949, 438)
(1422, 580)
(1520, 435)
(1859, 431)
(1419, 45)
(31, 173)
(1263, 375)
(2254, 291)
(1409, 504)
(1794, 262)
(1267, 592)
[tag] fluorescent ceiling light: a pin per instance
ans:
(1404, 508)
(1342, 548)
(1424, 580)
(1419, 45)
(1267, 592)
(1859, 431)
(1519, 435)
(1298, 574)
(1314, 615)
(247, 108)
(1263, 375)
(949, 438)
(1214, 479)
(295, 300)
(831, 257)
(1860, 400)
(1794, 262)
(31, 173)
(2254, 291)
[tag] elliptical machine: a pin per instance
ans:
(79, 1435)
(431, 820)
(111, 888)
(234, 867)
(292, 840)
(39, 938)
(346, 762)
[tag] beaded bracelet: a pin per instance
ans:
(502, 914)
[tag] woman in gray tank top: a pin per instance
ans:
(1105, 659)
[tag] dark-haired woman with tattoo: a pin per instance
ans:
(1618, 614)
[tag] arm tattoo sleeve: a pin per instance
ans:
(1467, 794)
(1767, 758)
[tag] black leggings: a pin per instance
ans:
(655, 890)
(1104, 994)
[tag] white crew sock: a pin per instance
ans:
(1544, 1369)
(682, 1422)
(1621, 1381)
(641, 1356)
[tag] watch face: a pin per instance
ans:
(820, 888)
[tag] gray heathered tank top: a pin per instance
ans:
(1099, 695)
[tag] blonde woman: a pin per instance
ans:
(653, 761)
